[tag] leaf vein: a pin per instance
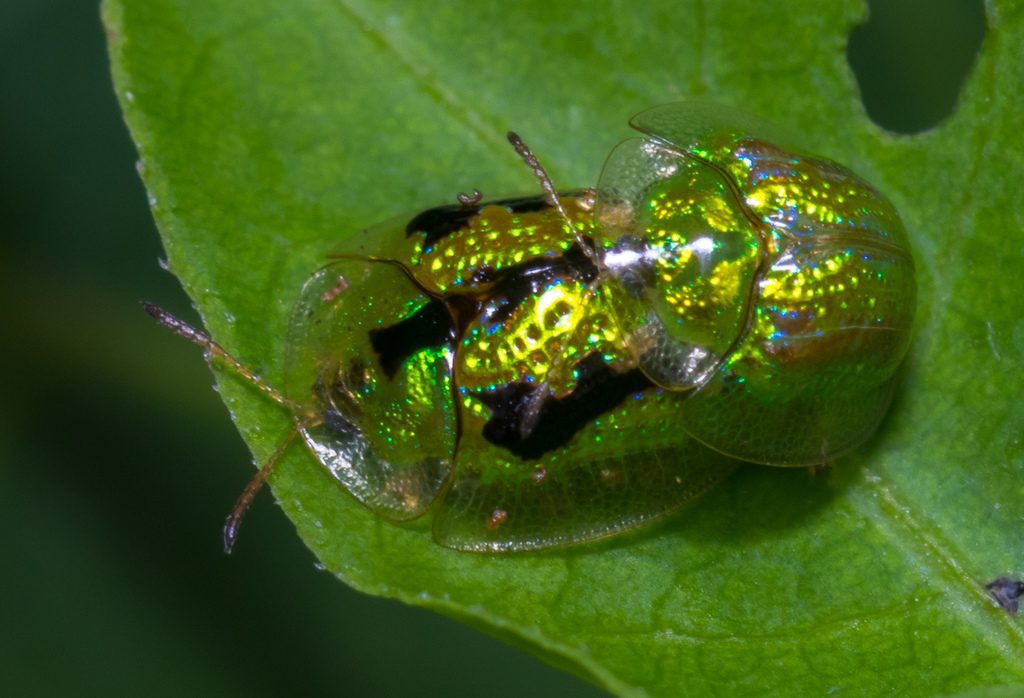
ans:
(972, 590)
(486, 130)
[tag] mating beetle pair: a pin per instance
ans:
(548, 370)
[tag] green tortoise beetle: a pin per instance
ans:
(539, 371)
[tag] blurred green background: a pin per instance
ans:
(118, 462)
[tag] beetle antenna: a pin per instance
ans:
(204, 340)
(234, 519)
(550, 192)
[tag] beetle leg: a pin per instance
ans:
(204, 340)
(819, 468)
(531, 411)
(234, 519)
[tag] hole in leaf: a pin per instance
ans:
(912, 57)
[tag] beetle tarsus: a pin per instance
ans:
(820, 468)
(238, 511)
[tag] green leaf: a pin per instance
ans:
(270, 129)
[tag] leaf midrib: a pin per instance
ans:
(970, 591)
(486, 129)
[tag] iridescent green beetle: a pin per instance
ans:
(548, 370)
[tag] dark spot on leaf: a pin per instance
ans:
(1006, 593)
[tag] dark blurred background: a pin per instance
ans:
(118, 462)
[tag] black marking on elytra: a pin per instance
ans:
(430, 327)
(599, 389)
(484, 275)
(464, 308)
(526, 279)
(441, 221)
(442, 321)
